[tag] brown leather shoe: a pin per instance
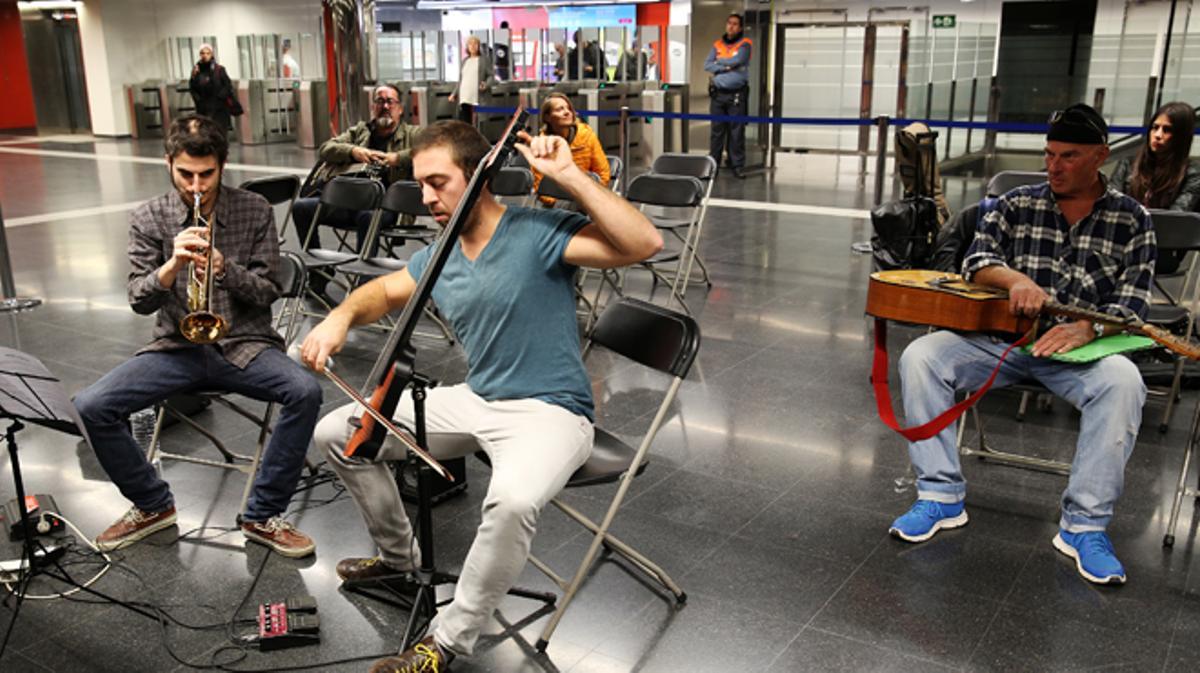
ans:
(133, 526)
(280, 536)
(424, 657)
(358, 570)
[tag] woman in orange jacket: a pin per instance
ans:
(559, 118)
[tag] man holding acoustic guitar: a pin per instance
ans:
(1076, 241)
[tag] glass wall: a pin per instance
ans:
(821, 76)
(280, 56)
(414, 56)
(182, 53)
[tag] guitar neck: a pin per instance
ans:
(1079, 313)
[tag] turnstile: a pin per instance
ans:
(430, 102)
(271, 114)
(312, 126)
(148, 109)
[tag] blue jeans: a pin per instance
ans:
(151, 377)
(1109, 393)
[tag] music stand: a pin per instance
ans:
(29, 392)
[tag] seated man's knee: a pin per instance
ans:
(330, 435)
(511, 508)
(921, 356)
(93, 409)
(1120, 377)
(307, 393)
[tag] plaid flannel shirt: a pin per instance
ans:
(1104, 262)
(245, 235)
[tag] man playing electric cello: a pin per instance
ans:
(1077, 241)
(508, 291)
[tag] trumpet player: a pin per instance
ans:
(175, 241)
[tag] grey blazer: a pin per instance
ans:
(486, 75)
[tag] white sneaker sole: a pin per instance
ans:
(952, 522)
(114, 545)
(1062, 546)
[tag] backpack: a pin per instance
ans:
(905, 232)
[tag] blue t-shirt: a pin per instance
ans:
(513, 309)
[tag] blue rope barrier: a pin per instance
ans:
(1001, 127)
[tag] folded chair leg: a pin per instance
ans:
(602, 529)
(1024, 406)
(437, 319)
(1172, 396)
(1181, 488)
(252, 469)
(152, 451)
(615, 544)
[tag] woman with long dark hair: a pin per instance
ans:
(211, 88)
(1161, 175)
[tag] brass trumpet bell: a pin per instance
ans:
(203, 327)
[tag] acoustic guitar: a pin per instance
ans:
(946, 300)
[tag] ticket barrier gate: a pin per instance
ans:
(612, 98)
(662, 135)
(312, 122)
(506, 95)
(148, 109)
(179, 99)
(429, 103)
(271, 114)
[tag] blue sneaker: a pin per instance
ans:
(1094, 556)
(926, 518)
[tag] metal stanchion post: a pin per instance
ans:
(624, 138)
(882, 122)
(10, 303)
(881, 156)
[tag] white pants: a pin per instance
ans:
(534, 448)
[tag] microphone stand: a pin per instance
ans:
(393, 372)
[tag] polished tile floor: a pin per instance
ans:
(768, 498)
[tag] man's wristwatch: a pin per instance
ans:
(1098, 329)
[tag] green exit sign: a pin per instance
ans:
(943, 20)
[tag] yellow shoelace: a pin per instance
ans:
(429, 662)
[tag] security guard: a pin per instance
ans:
(729, 89)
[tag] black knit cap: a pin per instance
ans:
(1079, 124)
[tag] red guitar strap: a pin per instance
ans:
(883, 398)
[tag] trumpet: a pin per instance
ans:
(201, 325)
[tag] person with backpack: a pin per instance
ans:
(211, 89)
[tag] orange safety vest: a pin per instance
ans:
(730, 50)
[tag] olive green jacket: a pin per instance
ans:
(335, 152)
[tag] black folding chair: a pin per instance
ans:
(704, 168)
(615, 168)
(277, 190)
(353, 194)
(660, 339)
(402, 199)
(513, 182)
(1006, 181)
(678, 192)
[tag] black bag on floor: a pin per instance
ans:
(904, 235)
